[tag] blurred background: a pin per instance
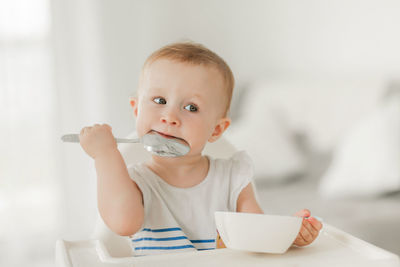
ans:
(316, 104)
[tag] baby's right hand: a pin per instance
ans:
(97, 140)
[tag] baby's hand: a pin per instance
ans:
(97, 140)
(309, 229)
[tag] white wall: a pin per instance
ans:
(258, 38)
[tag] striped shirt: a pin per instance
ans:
(182, 219)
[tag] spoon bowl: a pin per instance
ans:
(164, 147)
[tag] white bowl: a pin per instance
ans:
(257, 232)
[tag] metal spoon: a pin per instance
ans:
(152, 142)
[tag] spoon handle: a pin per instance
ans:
(74, 138)
(126, 140)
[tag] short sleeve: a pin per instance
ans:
(241, 174)
(138, 178)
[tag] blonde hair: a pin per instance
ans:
(196, 54)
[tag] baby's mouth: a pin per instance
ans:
(168, 136)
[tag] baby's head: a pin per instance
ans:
(194, 54)
(184, 91)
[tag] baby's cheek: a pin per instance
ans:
(141, 127)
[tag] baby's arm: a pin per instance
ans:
(247, 201)
(119, 198)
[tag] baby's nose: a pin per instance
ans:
(170, 118)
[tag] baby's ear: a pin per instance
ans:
(134, 104)
(219, 129)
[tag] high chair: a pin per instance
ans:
(119, 246)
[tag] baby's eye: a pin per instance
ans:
(191, 108)
(160, 100)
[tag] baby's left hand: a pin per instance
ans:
(309, 229)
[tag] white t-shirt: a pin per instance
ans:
(182, 219)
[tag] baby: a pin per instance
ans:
(168, 204)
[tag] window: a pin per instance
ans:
(28, 188)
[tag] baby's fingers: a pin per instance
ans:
(84, 130)
(317, 225)
(107, 126)
(307, 234)
(301, 239)
(303, 213)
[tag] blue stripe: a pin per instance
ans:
(159, 239)
(203, 241)
(165, 248)
(205, 249)
(162, 230)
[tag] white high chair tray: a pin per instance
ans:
(332, 248)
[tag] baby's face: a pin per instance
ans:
(181, 100)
